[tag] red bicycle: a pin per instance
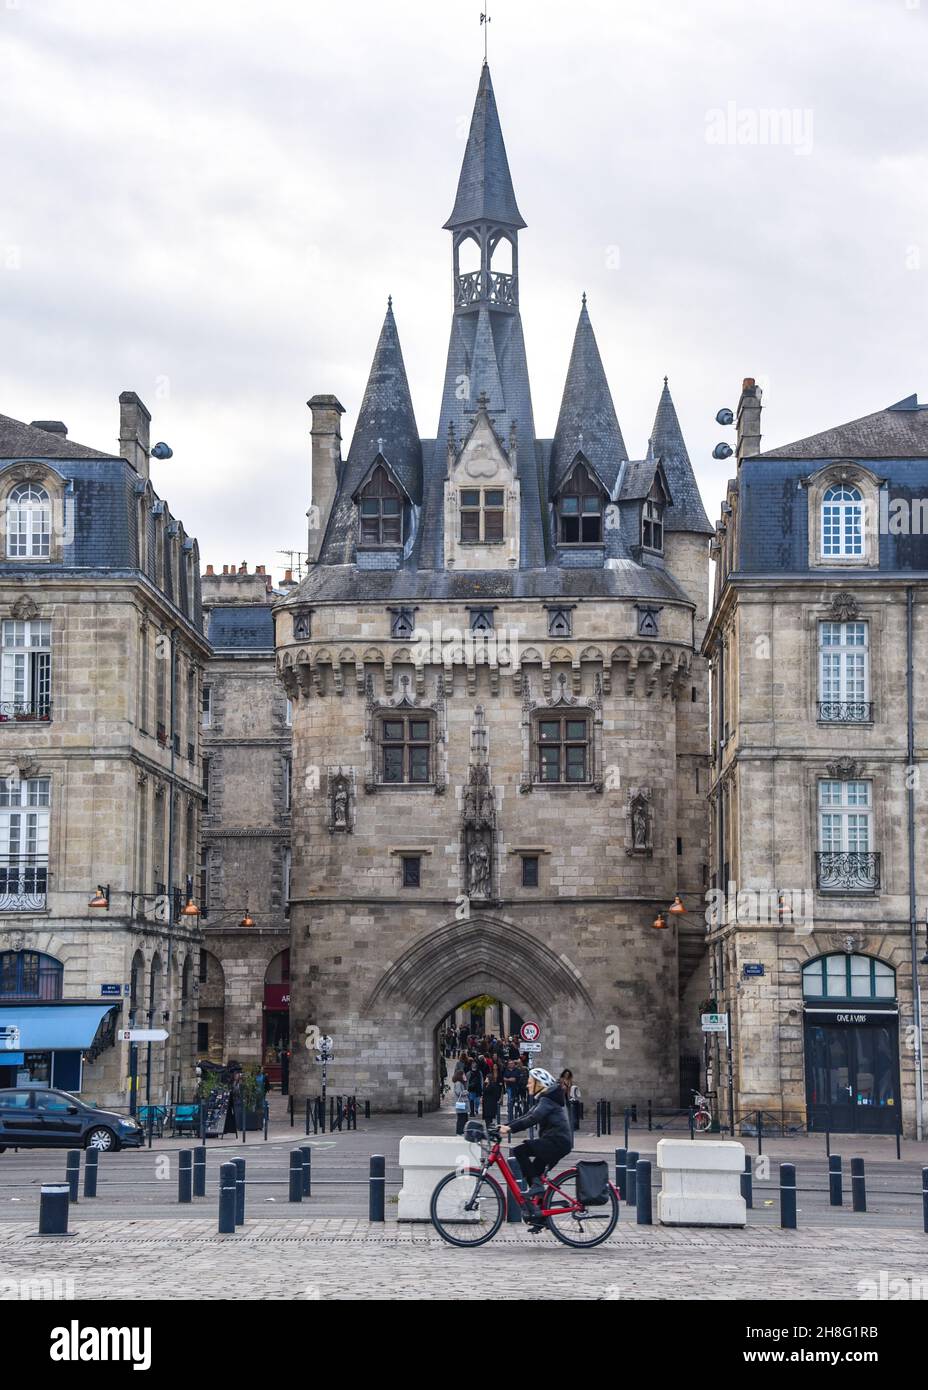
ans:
(468, 1205)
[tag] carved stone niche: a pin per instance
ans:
(340, 801)
(640, 822)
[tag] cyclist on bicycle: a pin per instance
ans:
(555, 1137)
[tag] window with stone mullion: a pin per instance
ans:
(563, 746)
(406, 742)
(381, 509)
(580, 510)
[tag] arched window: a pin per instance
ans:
(580, 510)
(381, 509)
(848, 977)
(30, 975)
(28, 522)
(842, 521)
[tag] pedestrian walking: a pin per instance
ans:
(572, 1096)
(491, 1097)
(474, 1088)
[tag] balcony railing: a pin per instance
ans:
(25, 712)
(845, 711)
(494, 286)
(23, 882)
(847, 871)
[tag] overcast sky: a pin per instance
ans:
(208, 203)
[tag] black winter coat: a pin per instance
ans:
(549, 1113)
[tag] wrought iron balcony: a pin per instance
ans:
(493, 286)
(845, 711)
(23, 882)
(25, 712)
(847, 871)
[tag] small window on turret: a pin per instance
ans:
(580, 510)
(381, 510)
(652, 526)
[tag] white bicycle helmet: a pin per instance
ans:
(544, 1077)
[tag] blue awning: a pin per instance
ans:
(11, 1059)
(47, 1027)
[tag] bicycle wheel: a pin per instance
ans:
(585, 1228)
(467, 1207)
(701, 1122)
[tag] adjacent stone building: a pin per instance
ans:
(245, 865)
(817, 643)
(499, 705)
(102, 659)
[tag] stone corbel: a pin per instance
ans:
(631, 675)
(359, 677)
(388, 677)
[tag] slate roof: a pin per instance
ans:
(687, 512)
(637, 479)
(241, 626)
(619, 579)
(899, 431)
(485, 192)
(21, 441)
(386, 425)
(587, 422)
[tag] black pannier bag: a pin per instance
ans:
(593, 1184)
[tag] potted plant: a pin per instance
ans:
(252, 1096)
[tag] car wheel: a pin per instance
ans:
(100, 1138)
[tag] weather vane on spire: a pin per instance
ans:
(485, 21)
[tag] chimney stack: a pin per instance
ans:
(749, 408)
(326, 466)
(134, 438)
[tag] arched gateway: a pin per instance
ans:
(499, 706)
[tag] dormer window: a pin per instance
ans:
(842, 521)
(652, 525)
(381, 510)
(28, 525)
(580, 510)
(482, 514)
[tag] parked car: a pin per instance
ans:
(37, 1117)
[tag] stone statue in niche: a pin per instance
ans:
(478, 824)
(478, 869)
(639, 814)
(340, 807)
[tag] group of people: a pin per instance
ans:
(490, 1069)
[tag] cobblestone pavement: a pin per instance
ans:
(350, 1259)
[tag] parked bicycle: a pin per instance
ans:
(468, 1205)
(702, 1112)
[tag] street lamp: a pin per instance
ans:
(660, 922)
(102, 896)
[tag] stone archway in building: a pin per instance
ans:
(463, 959)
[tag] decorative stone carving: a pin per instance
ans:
(340, 808)
(478, 819)
(844, 608)
(845, 770)
(24, 610)
(640, 818)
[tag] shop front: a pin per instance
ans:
(54, 1041)
(276, 1036)
(851, 1039)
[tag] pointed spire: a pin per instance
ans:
(386, 421)
(485, 192)
(587, 419)
(686, 512)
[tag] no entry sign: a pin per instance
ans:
(530, 1032)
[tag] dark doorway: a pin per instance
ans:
(852, 1070)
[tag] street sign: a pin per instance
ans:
(9, 1037)
(142, 1035)
(530, 1047)
(753, 969)
(715, 1023)
(530, 1032)
(111, 991)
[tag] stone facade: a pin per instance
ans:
(102, 659)
(246, 823)
(468, 596)
(795, 723)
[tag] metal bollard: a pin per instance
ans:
(760, 1131)
(367, 1110)
(692, 1123)
(307, 1118)
(320, 1116)
(91, 1161)
(631, 1177)
(419, 1109)
(643, 1191)
(296, 1176)
(73, 1171)
(378, 1185)
(290, 1110)
(925, 1199)
(199, 1172)
(788, 1196)
(513, 1208)
(267, 1116)
(608, 1116)
(627, 1119)
(239, 1191)
(747, 1182)
(649, 1116)
(227, 1199)
(599, 1118)
(54, 1200)
(858, 1185)
(307, 1153)
(620, 1161)
(184, 1176)
(835, 1181)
